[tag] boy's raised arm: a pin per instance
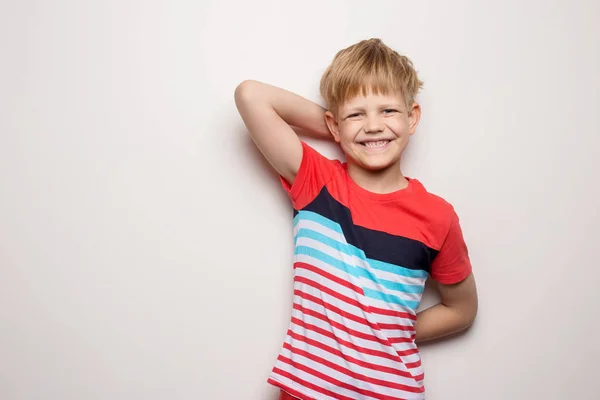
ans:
(269, 113)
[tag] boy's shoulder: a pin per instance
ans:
(431, 198)
(431, 203)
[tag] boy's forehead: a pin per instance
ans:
(369, 97)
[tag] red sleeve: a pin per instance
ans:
(314, 173)
(452, 264)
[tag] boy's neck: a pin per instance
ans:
(383, 181)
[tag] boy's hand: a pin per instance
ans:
(269, 112)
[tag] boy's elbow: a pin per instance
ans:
(469, 314)
(470, 320)
(465, 313)
(245, 90)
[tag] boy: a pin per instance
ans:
(366, 237)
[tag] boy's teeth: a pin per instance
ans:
(379, 143)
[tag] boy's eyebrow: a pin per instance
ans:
(351, 110)
(384, 106)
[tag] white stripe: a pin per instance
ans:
(371, 373)
(358, 263)
(399, 333)
(395, 277)
(393, 319)
(411, 358)
(343, 377)
(315, 226)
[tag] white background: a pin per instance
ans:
(145, 246)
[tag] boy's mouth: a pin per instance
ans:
(375, 144)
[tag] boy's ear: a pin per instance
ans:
(332, 124)
(414, 116)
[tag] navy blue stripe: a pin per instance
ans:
(377, 245)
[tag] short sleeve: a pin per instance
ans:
(314, 173)
(452, 263)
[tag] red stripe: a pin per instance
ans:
(392, 313)
(354, 302)
(412, 365)
(400, 340)
(396, 327)
(350, 373)
(309, 385)
(334, 381)
(350, 359)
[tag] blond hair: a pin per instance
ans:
(368, 65)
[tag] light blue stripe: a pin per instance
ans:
(334, 262)
(388, 298)
(353, 251)
(354, 271)
(312, 216)
(397, 269)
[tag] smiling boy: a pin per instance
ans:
(366, 237)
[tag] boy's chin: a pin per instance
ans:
(373, 164)
(377, 167)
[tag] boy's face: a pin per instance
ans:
(373, 130)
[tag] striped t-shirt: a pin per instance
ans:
(360, 264)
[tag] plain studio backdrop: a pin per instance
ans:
(146, 247)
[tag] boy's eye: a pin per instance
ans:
(353, 115)
(389, 111)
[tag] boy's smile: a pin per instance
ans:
(375, 144)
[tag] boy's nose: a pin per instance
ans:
(373, 125)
